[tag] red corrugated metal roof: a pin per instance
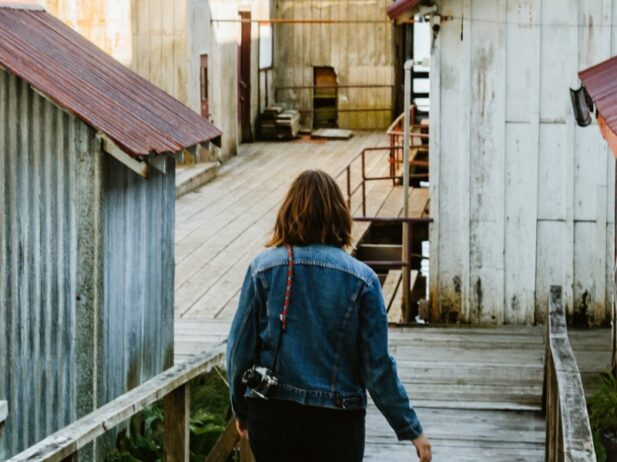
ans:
(71, 71)
(601, 84)
(401, 6)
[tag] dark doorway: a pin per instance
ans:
(325, 94)
(244, 78)
(407, 46)
(203, 85)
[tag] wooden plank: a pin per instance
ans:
(225, 443)
(449, 263)
(521, 225)
(487, 156)
(390, 287)
(522, 152)
(572, 430)
(177, 410)
(111, 148)
(68, 440)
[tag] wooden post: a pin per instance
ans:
(245, 452)
(225, 444)
(176, 407)
(614, 339)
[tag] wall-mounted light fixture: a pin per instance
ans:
(582, 105)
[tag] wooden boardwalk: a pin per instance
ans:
(222, 226)
(477, 390)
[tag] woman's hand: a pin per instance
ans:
(423, 448)
(242, 430)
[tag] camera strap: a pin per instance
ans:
(283, 315)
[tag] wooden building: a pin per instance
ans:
(87, 200)
(189, 48)
(522, 198)
(333, 61)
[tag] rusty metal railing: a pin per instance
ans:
(406, 223)
(364, 177)
(396, 132)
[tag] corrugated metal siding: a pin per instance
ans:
(138, 276)
(521, 196)
(38, 270)
(86, 269)
(361, 54)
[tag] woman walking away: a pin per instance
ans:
(310, 337)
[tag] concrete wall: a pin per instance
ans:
(522, 198)
(360, 54)
(86, 269)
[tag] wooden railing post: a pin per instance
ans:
(176, 406)
(568, 433)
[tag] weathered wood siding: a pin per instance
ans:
(148, 36)
(162, 41)
(521, 196)
(220, 40)
(361, 54)
(76, 229)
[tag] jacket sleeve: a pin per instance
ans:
(379, 368)
(243, 342)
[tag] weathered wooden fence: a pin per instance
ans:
(568, 433)
(172, 386)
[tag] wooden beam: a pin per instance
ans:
(70, 439)
(176, 407)
(159, 163)
(225, 444)
(111, 148)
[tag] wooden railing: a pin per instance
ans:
(568, 433)
(172, 386)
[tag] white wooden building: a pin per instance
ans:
(522, 198)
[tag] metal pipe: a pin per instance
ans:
(406, 141)
(305, 21)
(330, 87)
(363, 183)
(318, 111)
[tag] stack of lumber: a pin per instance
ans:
(278, 123)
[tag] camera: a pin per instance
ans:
(259, 380)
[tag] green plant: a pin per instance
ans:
(142, 439)
(603, 405)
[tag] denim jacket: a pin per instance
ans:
(335, 346)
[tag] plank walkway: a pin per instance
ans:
(222, 226)
(476, 390)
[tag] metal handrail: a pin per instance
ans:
(568, 432)
(351, 191)
(172, 386)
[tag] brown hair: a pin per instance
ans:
(314, 212)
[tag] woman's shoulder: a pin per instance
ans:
(316, 255)
(335, 258)
(269, 258)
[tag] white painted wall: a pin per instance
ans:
(220, 41)
(522, 198)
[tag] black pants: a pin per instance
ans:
(283, 431)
